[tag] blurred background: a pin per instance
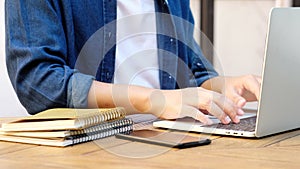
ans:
(238, 27)
(9, 103)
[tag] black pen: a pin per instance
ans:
(193, 144)
(164, 143)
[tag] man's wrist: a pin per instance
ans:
(214, 84)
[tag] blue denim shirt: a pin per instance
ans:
(55, 49)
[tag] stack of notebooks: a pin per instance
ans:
(64, 126)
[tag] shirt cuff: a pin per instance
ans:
(78, 89)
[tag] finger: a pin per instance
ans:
(238, 99)
(253, 85)
(216, 111)
(258, 78)
(193, 112)
(215, 103)
(228, 107)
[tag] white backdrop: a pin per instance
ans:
(9, 103)
(240, 34)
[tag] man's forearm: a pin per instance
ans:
(134, 98)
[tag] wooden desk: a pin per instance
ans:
(279, 151)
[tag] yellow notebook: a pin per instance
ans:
(64, 118)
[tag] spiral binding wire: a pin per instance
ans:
(94, 118)
(101, 131)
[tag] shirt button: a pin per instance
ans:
(170, 77)
(171, 40)
(199, 64)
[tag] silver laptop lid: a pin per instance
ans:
(278, 109)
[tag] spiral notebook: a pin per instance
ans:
(62, 138)
(64, 118)
(63, 127)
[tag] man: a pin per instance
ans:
(72, 54)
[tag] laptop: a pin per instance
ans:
(278, 107)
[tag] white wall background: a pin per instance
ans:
(240, 33)
(9, 103)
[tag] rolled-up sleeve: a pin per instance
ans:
(36, 52)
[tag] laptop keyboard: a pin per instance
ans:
(247, 124)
